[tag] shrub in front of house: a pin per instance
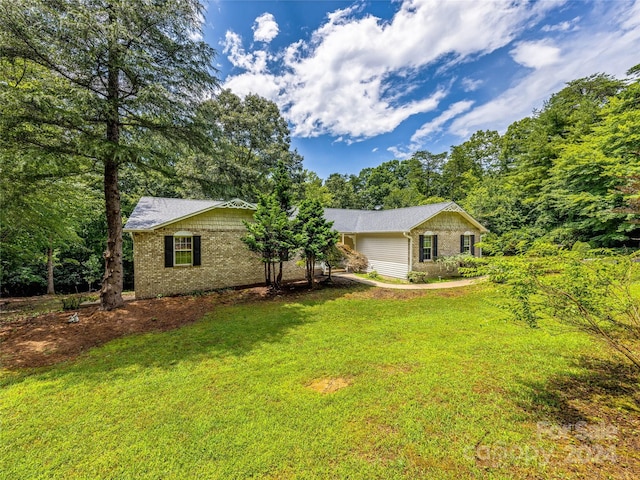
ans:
(418, 277)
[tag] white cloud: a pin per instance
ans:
(471, 85)
(436, 124)
(254, 62)
(265, 28)
(400, 154)
(338, 82)
(565, 26)
(536, 54)
(582, 55)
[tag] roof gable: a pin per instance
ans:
(152, 213)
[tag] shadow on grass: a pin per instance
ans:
(226, 331)
(571, 398)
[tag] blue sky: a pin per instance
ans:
(364, 82)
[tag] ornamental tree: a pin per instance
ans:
(315, 235)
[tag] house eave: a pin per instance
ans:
(233, 203)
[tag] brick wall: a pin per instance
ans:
(226, 261)
(448, 226)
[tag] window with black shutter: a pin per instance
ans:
(428, 247)
(182, 250)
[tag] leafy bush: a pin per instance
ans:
(587, 290)
(71, 303)
(452, 262)
(373, 275)
(418, 277)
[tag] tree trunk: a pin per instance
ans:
(278, 282)
(50, 287)
(311, 261)
(112, 282)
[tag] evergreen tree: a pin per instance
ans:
(271, 234)
(315, 235)
(127, 78)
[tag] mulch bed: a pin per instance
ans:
(47, 339)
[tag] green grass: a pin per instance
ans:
(382, 278)
(432, 376)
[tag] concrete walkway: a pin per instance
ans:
(411, 286)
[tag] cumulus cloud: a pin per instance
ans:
(265, 28)
(582, 55)
(536, 54)
(338, 82)
(254, 62)
(357, 76)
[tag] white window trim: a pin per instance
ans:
(182, 235)
(466, 245)
(430, 236)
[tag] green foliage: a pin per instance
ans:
(314, 235)
(373, 275)
(248, 137)
(418, 277)
(341, 189)
(95, 86)
(270, 235)
(450, 263)
(312, 188)
(589, 290)
(71, 302)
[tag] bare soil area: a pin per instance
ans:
(32, 340)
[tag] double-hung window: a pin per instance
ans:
(182, 251)
(467, 242)
(428, 246)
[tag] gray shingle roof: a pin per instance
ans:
(395, 220)
(152, 212)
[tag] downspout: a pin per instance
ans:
(406, 234)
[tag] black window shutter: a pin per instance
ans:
(434, 246)
(168, 251)
(472, 242)
(196, 250)
(421, 247)
(461, 243)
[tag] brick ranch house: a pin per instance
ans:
(402, 240)
(182, 246)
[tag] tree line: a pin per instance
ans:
(567, 173)
(101, 103)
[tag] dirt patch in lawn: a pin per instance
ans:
(329, 385)
(37, 341)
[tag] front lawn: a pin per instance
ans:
(340, 383)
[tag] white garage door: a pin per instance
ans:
(388, 255)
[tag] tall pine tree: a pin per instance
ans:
(128, 77)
